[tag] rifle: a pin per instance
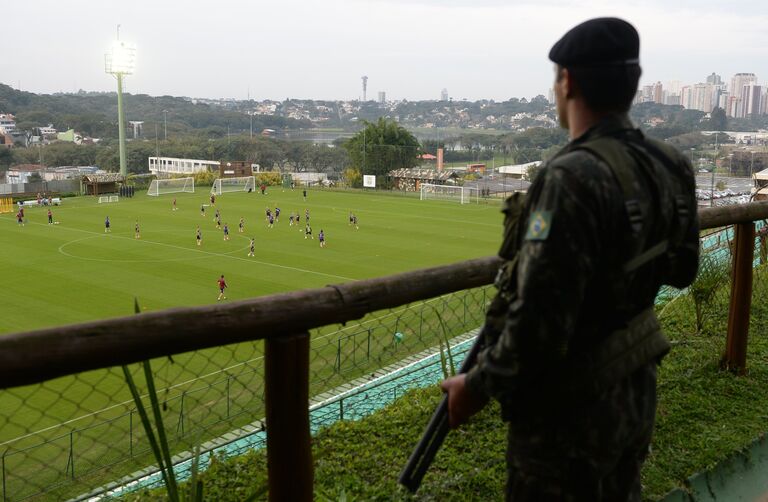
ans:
(436, 430)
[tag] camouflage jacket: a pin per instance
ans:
(569, 287)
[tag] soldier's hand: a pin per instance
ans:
(462, 403)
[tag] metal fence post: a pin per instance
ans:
(289, 455)
(228, 377)
(180, 424)
(5, 491)
(735, 358)
(71, 459)
(130, 432)
(341, 409)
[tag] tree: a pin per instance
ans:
(382, 146)
(717, 120)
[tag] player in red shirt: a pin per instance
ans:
(222, 287)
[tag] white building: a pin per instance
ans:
(163, 167)
(7, 123)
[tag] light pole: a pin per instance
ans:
(692, 149)
(730, 164)
(119, 61)
(165, 125)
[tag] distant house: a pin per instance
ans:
(410, 180)
(20, 173)
(165, 167)
(7, 123)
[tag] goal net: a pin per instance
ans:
(241, 184)
(172, 185)
(462, 195)
(108, 198)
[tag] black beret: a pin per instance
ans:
(605, 41)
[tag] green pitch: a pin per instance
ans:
(73, 271)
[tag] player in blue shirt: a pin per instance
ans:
(106, 225)
(321, 237)
(226, 232)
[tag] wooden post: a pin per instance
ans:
(289, 454)
(735, 358)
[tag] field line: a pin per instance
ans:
(268, 264)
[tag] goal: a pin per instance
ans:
(172, 185)
(463, 195)
(241, 184)
(108, 198)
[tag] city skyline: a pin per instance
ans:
(409, 50)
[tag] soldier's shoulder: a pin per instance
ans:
(579, 162)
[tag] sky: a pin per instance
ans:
(410, 49)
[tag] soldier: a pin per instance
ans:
(571, 340)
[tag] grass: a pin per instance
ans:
(704, 415)
(74, 272)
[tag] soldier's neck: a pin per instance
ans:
(581, 118)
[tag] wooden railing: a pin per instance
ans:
(37, 356)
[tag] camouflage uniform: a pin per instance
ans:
(566, 293)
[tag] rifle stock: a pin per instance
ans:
(434, 435)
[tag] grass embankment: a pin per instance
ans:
(704, 415)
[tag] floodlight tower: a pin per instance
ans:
(119, 61)
(365, 86)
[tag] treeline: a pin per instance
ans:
(296, 156)
(95, 114)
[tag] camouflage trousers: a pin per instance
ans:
(589, 455)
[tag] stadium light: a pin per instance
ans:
(119, 61)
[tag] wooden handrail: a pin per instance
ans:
(41, 355)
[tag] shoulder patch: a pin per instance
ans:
(539, 224)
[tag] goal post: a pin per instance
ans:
(171, 185)
(460, 194)
(236, 184)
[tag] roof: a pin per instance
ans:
(103, 178)
(521, 169)
(27, 167)
(423, 174)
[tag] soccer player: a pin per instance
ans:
(202, 209)
(50, 216)
(263, 189)
(290, 220)
(174, 204)
(106, 225)
(306, 214)
(321, 237)
(222, 287)
(305, 195)
(218, 222)
(277, 214)
(20, 218)
(199, 236)
(21, 210)
(350, 217)
(137, 234)
(308, 232)
(252, 247)
(241, 225)
(216, 214)
(271, 221)
(354, 222)
(213, 199)
(226, 232)
(268, 213)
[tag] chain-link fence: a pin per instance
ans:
(68, 436)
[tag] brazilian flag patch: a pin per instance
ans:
(539, 224)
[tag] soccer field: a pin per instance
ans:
(73, 271)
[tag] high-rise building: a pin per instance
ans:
(551, 96)
(444, 95)
(658, 93)
(714, 79)
(751, 100)
(382, 97)
(365, 87)
(736, 89)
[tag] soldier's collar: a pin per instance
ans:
(608, 126)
